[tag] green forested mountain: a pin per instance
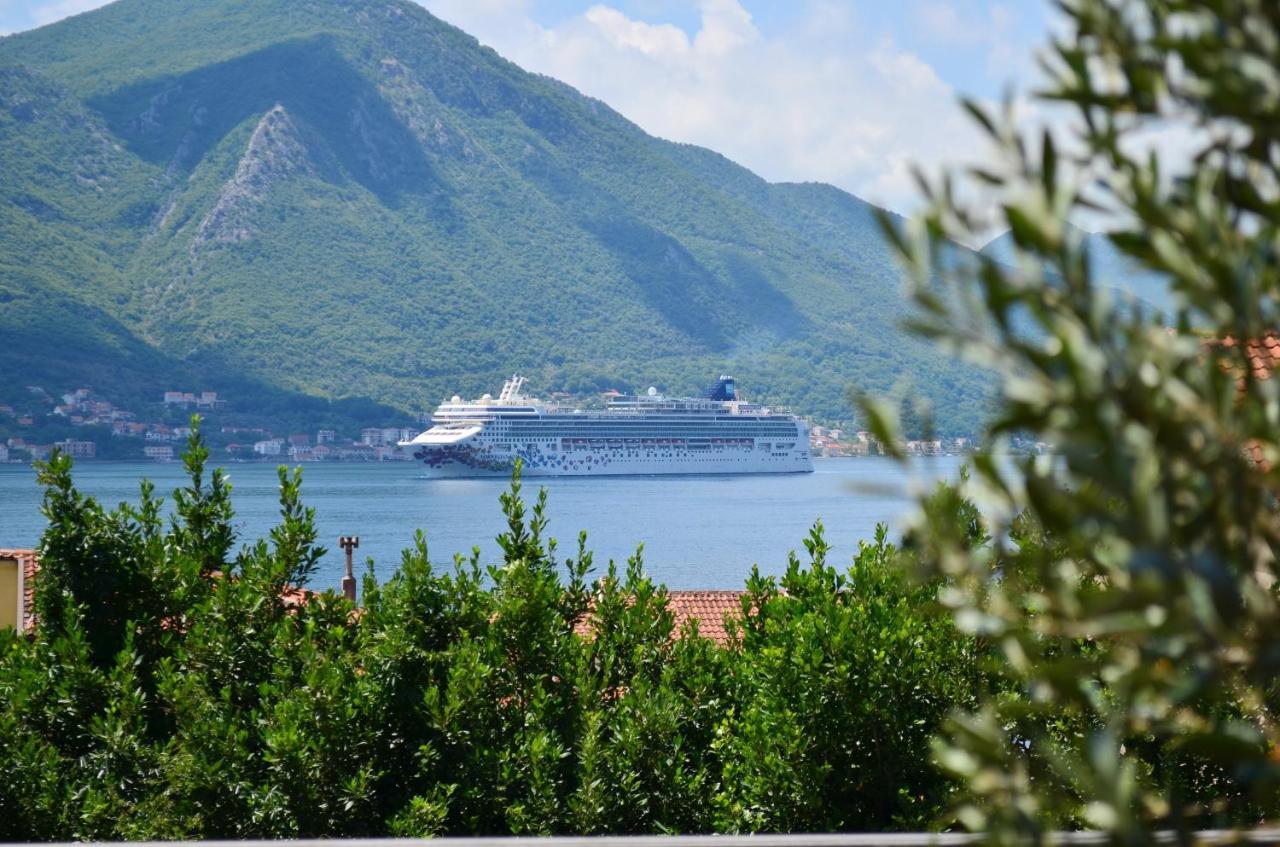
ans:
(350, 198)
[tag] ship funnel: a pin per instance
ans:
(722, 389)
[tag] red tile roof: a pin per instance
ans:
(708, 608)
(26, 560)
(292, 596)
(1264, 356)
(1263, 353)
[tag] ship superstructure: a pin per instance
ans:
(633, 434)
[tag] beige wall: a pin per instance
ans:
(10, 572)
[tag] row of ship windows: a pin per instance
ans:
(666, 457)
(566, 420)
(655, 433)
(631, 439)
(574, 423)
(640, 421)
(667, 451)
(592, 430)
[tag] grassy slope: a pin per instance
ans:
(450, 218)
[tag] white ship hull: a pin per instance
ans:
(618, 463)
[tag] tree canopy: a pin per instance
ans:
(1129, 583)
(176, 685)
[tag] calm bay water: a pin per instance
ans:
(698, 532)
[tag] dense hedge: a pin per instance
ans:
(170, 691)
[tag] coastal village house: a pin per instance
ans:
(159, 452)
(386, 436)
(78, 449)
(186, 399)
(19, 570)
(17, 584)
(269, 447)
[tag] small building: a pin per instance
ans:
(4, 454)
(159, 432)
(158, 452)
(75, 398)
(269, 447)
(78, 449)
(358, 453)
(386, 436)
(300, 440)
(20, 570)
(17, 582)
(326, 436)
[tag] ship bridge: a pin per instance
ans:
(444, 435)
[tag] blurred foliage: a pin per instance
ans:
(173, 687)
(1128, 581)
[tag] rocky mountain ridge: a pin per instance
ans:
(350, 198)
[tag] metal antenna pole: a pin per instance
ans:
(349, 543)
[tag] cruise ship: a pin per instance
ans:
(633, 435)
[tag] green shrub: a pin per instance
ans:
(1130, 584)
(170, 691)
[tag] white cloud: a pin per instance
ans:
(726, 26)
(626, 34)
(822, 101)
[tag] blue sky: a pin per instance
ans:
(850, 92)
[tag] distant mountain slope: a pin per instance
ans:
(352, 198)
(1111, 269)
